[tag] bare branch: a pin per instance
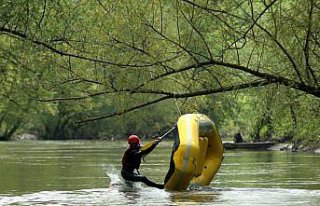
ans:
(177, 96)
(43, 13)
(173, 42)
(17, 34)
(307, 43)
(199, 33)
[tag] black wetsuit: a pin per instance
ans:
(131, 161)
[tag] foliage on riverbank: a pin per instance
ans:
(101, 70)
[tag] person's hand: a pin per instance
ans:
(157, 140)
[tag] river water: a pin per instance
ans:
(87, 173)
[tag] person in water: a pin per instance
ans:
(131, 161)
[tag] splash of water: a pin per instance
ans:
(114, 178)
(118, 182)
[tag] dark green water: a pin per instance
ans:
(87, 173)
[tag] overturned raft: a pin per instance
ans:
(197, 153)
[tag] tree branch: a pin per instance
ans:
(177, 96)
(306, 49)
(17, 34)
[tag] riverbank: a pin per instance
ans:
(284, 146)
(288, 146)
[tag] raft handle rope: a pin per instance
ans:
(175, 100)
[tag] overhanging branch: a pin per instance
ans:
(178, 96)
(20, 35)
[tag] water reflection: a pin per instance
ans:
(270, 169)
(87, 173)
(194, 197)
(153, 196)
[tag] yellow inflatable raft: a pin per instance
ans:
(197, 153)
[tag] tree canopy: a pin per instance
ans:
(107, 68)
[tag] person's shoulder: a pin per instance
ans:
(132, 151)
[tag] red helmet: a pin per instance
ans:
(133, 139)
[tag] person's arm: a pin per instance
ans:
(149, 149)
